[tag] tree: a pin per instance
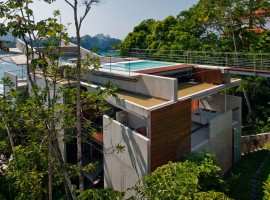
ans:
(42, 125)
(139, 37)
(39, 126)
(78, 23)
(266, 188)
(187, 180)
(100, 194)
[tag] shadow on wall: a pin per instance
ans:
(108, 179)
(134, 151)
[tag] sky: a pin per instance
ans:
(115, 18)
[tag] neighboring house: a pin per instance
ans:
(259, 21)
(159, 115)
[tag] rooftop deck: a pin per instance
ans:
(140, 99)
(187, 89)
(197, 89)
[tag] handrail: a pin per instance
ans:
(254, 61)
(21, 73)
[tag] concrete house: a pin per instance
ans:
(162, 113)
(159, 114)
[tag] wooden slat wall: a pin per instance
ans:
(208, 75)
(170, 133)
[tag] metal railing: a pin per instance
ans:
(21, 73)
(254, 61)
(258, 61)
(117, 64)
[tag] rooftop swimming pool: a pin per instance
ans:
(136, 65)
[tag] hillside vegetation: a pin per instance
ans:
(99, 42)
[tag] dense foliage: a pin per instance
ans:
(218, 26)
(100, 194)
(184, 180)
(256, 117)
(33, 120)
(267, 189)
(209, 25)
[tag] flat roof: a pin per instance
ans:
(197, 89)
(60, 80)
(140, 99)
(189, 88)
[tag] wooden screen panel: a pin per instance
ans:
(170, 133)
(208, 75)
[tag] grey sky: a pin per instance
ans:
(114, 17)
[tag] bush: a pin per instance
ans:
(187, 180)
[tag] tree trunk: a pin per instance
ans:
(10, 135)
(79, 123)
(78, 22)
(250, 111)
(50, 170)
(70, 193)
(78, 102)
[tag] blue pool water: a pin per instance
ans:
(137, 65)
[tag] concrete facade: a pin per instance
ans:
(155, 86)
(221, 140)
(123, 169)
(227, 117)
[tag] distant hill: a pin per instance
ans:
(10, 41)
(103, 42)
(8, 38)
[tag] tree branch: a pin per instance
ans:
(69, 4)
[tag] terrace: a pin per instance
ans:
(139, 99)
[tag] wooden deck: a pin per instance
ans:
(140, 99)
(186, 89)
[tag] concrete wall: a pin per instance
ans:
(134, 109)
(93, 55)
(60, 99)
(20, 45)
(13, 79)
(220, 129)
(129, 107)
(155, 86)
(136, 122)
(83, 51)
(122, 170)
